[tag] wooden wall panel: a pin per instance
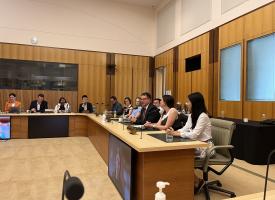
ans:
(230, 34)
(253, 25)
(92, 78)
(200, 80)
(15, 51)
(91, 74)
(166, 60)
(184, 79)
(258, 22)
(131, 76)
(169, 80)
(140, 76)
(255, 110)
(273, 16)
(54, 55)
(123, 76)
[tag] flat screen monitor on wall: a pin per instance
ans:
(193, 63)
(5, 128)
(120, 166)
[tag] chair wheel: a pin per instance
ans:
(232, 195)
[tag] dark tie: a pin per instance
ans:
(143, 114)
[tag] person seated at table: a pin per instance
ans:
(149, 112)
(39, 105)
(116, 106)
(156, 103)
(169, 117)
(62, 106)
(85, 106)
(136, 110)
(197, 127)
(127, 109)
(12, 105)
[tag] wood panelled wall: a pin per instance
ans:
(239, 31)
(199, 80)
(131, 76)
(166, 60)
(92, 77)
(230, 34)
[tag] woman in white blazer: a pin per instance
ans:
(62, 106)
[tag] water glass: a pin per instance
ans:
(169, 138)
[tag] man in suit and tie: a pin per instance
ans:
(39, 105)
(149, 112)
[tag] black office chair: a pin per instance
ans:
(222, 131)
(180, 122)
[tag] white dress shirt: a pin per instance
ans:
(66, 105)
(38, 106)
(202, 130)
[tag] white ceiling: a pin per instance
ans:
(147, 3)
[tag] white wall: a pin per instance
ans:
(111, 26)
(95, 25)
(195, 17)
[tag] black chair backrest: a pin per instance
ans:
(180, 122)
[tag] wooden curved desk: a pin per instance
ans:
(154, 160)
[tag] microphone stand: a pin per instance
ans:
(141, 131)
(267, 168)
(66, 175)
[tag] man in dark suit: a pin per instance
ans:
(39, 105)
(85, 106)
(149, 112)
(116, 106)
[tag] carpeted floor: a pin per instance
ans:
(33, 169)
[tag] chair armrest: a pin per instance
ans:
(209, 151)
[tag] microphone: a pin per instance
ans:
(267, 168)
(73, 188)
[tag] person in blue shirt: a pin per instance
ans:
(135, 113)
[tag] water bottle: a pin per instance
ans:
(115, 114)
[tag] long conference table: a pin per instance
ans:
(154, 159)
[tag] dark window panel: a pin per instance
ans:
(20, 74)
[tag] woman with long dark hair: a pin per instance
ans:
(197, 127)
(169, 116)
(62, 106)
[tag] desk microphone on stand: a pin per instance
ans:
(73, 188)
(267, 168)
